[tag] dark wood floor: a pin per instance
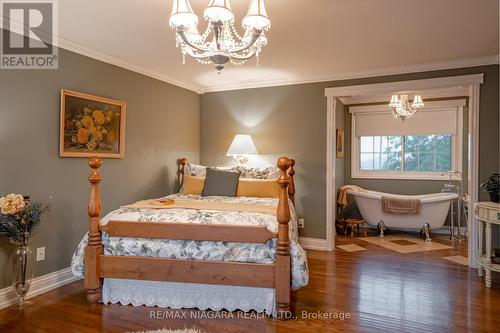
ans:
(381, 290)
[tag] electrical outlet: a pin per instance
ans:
(40, 254)
(301, 223)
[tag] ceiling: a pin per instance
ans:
(313, 40)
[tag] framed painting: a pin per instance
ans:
(91, 126)
(340, 143)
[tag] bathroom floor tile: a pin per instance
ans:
(402, 242)
(351, 247)
(458, 259)
(405, 244)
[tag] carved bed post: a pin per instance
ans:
(94, 246)
(182, 169)
(282, 265)
(291, 187)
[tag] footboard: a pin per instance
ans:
(277, 275)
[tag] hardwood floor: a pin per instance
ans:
(381, 291)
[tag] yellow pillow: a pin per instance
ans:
(260, 188)
(192, 185)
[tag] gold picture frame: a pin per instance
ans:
(339, 145)
(91, 126)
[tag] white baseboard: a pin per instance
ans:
(313, 243)
(39, 285)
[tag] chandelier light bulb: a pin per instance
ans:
(219, 10)
(417, 102)
(394, 101)
(182, 15)
(256, 17)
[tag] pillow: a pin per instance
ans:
(260, 188)
(220, 183)
(195, 170)
(192, 185)
(257, 172)
(246, 172)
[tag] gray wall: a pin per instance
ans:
(291, 120)
(162, 125)
(288, 120)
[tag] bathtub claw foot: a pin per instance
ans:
(381, 228)
(426, 231)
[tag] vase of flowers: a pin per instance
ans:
(18, 218)
(492, 186)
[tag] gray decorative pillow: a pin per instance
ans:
(220, 183)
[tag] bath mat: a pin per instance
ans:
(351, 247)
(458, 260)
(405, 244)
(167, 330)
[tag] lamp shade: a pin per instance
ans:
(394, 101)
(256, 17)
(417, 102)
(219, 10)
(182, 15)
(242, 145)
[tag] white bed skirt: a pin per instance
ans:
(179, 295)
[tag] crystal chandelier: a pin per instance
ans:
(220, 43)
(401, 107)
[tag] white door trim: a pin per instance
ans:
(331, 142)
(452, 87)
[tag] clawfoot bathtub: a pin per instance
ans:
(433, 211)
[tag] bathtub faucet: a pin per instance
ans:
(454, 188)
(453, 176)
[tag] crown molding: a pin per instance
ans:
(460, 63)
(80, 49)
(97, 55)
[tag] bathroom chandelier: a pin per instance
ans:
(220, 43)
(401, 107)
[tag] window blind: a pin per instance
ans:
(425, 122)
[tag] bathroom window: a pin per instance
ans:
(423, 147)
(425, 153)
(415, 155)
(380, 153)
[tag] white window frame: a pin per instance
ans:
(456, 147)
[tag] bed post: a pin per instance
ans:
(182, 169)
(94, 246)
(291, 187)
(282, 265)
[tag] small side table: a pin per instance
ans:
(486, 214)
(354, 222)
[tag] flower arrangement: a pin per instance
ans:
(492, 186)
(91, 129)
(19, 216)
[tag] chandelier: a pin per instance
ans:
(401, 107)
(220, 43)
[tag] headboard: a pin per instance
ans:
(183, 163)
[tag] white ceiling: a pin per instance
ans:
(310, 40)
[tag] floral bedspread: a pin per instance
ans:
(202, 250)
